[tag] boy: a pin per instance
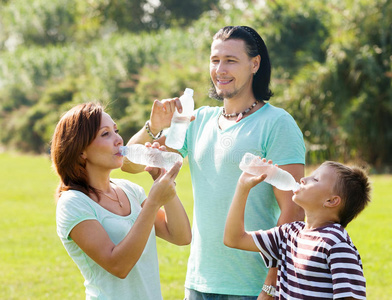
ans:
(316, 259)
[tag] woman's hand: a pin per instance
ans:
(154, 172)
(164, 187)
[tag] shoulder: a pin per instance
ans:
(72, 198)
(277, 113)
(207, 111)
(204, 116)
(73, 207)
(293, 228)
(334, 234)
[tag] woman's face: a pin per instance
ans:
(103, 153)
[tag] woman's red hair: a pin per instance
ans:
(74, 132)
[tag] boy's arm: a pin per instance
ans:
(290, 211)
(235, 235)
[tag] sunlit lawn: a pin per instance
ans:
(34, 264)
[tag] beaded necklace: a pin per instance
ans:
(238, 115)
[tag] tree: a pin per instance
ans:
(344, 105)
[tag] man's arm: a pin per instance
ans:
(290, 211)
(161, 115)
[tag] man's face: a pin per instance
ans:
(231, 69)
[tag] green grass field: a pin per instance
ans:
(34, 264)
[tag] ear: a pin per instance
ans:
(83, 155)
(255, 63)
(334, 201)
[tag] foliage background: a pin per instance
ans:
(332, 70)
(332, 65)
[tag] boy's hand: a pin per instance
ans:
(248, 181)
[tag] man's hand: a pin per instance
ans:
(162, 113)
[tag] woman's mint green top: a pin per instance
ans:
(142, 282)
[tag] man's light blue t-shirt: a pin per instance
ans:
(142, 282)
(214, 156)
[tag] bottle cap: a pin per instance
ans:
(297, 186)
(123, 150)
(188, 91)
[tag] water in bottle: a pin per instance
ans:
(179, 124)
(140, 154)
(277, 177)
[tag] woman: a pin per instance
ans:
(108, 225)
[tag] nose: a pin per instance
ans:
(302, 180)
(119, 140)
(220, 69)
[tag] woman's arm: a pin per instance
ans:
(119, 259)
(172, 223)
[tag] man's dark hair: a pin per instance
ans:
(254, 46)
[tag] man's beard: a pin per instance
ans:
(214, 94)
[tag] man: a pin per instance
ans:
(215, 143)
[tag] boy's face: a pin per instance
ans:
(316, 188)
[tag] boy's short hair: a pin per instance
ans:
(353, 186)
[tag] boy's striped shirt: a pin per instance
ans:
(322, 263)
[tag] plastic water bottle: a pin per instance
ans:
(179, 124)
(277, 177)
(140, 154)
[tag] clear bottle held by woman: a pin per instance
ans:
(277, 177)
(140, 154)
